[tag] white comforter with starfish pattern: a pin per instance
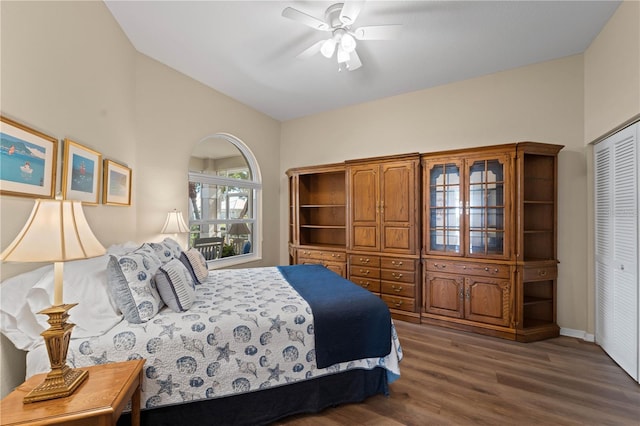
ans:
(248, 330)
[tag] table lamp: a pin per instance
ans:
(174, 223)
(56, 231)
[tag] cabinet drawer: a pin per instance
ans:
(398, 276)
(373, 285)
(398, 302)
(364, 272)
(363, 260)
(540, 274)
(398, 264)
(469, 268)
(398, 289)
(334, 256)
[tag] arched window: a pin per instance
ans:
(225, 189)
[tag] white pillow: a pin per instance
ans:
(17, 321)
(85, 283)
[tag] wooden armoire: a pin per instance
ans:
(463, 239)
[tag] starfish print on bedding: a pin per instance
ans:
(167, 385)
(275, 373)
(276, 323)
(169, 329)
(224, 352)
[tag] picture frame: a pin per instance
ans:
(117, 184)
(28, 161)
(81, 172)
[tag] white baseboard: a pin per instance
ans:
(578, 334)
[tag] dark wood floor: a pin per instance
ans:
(457, 378)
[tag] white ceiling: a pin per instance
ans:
(247, 50)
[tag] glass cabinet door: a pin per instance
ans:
(486, 208)
(444, 209)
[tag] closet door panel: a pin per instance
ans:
(625, 249)
(616, 248)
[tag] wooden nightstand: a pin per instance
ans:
(98, 401)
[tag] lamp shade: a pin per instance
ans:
(239, 229)
(174, 224)
(56, 231)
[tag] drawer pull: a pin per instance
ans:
(396, 276)
(394, 263)
(365, 260)
(365, 285)
(397, 304)
(396, 289)
(495, 271)
(366, 272)
(542, 272)
(439, 266)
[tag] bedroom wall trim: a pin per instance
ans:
(578, 334)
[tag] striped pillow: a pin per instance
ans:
(196, 264)
(175, 285)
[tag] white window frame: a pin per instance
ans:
(255, 184)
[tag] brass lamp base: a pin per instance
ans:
(61, 381)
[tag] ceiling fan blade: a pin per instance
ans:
(354, 61)
(350, 11)
(377, 32)
(305, 19)
(310, 51)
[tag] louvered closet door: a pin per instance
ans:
(616, 234)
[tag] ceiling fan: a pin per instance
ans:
(338, 20)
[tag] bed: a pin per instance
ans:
(254, 345)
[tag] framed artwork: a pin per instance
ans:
(81, 173)
(117, 184)
(28, 161)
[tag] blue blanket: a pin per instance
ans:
(349, 321)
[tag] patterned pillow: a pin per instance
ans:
(131, 283)
(175, 285)
(163, 252)
(196, 264)
(173, 246)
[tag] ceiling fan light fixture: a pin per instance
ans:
(348, 43)
(328, 47)
(343, 55)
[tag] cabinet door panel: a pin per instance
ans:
(365, 237)
(487, 300)
(488, 206)
(365, 208)
(443, 202)
(444, 295)
(397, 239)
(398, 207)
(398, 182)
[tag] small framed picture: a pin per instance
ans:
(81, 173)
(117, 184)
(28, 161)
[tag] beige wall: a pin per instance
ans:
(68, 70)
(612, 73)
(612, 99)
(542, 102)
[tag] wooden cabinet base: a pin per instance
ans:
(530, 334)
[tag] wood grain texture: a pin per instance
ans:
(451, 377)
